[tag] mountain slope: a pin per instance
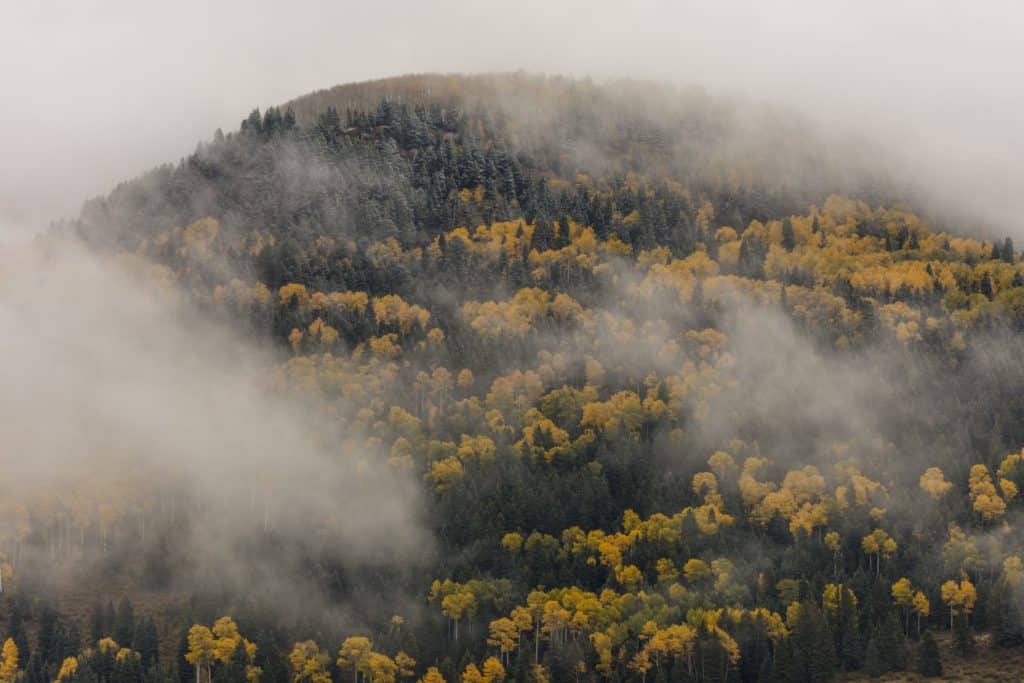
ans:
(676, 391)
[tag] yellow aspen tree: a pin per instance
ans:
(493, 671)
(406, 665)
(455, 605)
(504, 636)
(922, 608)
(934, 483)
(903, 597)
(602, 643)
(9, 662)
(472, 674)
(226, 639)
(985, 500)
(201, 649)
(878, 544)
(696, 570)
(641, 663)
(309, 663)
(68, 669)
(834, 542)
(353, 654)
(960, 597)
(379, 668)
(432, 676)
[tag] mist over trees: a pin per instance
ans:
(556, 381)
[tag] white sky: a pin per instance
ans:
(94, 92)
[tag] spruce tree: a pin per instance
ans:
(963, 636)
(1005, 617)
(235, 669)
(16, 630)
(874, 666)
(928, 661)
(147, 642)
(891, 643)
(109, 619)
(124, 623)
(788, 236)
(71, 642)
(97, 628)
(782, 665)
(986, 286)
(185, 673)
(46, 636)
(813, 647)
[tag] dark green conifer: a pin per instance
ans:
(928, 661)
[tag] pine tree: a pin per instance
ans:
(986, 286)
(235, 669)
(788, 236)
(963, 636)
(928, 661)
(72, 642)
(97, 627)
(849, 645)
(109, 619)
(814, 656)
(16, 630)
(782, 665)
(1005, 617)
(124, 623)
(185, 673)
(147, 642)
(891, 643)
(873, 664)
(46, 636)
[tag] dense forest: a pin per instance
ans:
(684, 389)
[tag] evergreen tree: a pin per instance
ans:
(891, 643)
(124, 623)
(147, 642)
(782, 665)
(109, 620)
(97, 625)
(235, 669)
(186, 674)
(928, 661)
(814, 657)
(963, 635)
(986, 286)
(1004, 618)
(751, 258)
(16, 629)
(72, 642)
(874, 666)
(46, 636)
(849, 646)
(788, 236)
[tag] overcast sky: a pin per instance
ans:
(97, 91)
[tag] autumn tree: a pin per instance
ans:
(9, 662)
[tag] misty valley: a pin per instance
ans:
(519, 378)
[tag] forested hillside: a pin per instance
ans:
(685, 391)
